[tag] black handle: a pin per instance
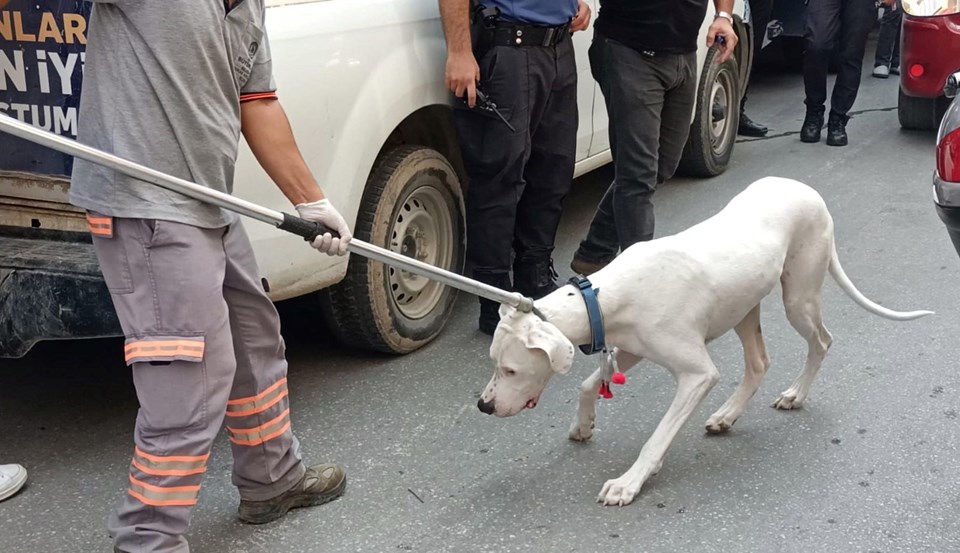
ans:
(309, 230)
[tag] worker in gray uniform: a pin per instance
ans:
(202, 336)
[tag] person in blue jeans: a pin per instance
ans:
(887, 59)
(644, 56)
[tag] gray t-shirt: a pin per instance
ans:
(163, 83)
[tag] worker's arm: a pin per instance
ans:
(722, 26)
(268, 133)
(463, 72)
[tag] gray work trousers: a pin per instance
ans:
(649, 101)
(203, 342)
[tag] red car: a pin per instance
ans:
(929, 54)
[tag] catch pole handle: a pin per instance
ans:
(309, 230)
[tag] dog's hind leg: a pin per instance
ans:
(757, 362)
(803, 304)
(582, 428)
(696, 375)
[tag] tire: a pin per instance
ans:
(712, 136)
(412, 204)
(917, 114)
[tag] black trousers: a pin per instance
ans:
(888, 43)
(842, 25)
(518, 180)
(649, 102)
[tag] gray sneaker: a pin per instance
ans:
(320, 484)
(881, 71)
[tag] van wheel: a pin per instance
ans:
(412, 205)
(714, 129)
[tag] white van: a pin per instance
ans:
(362, 83)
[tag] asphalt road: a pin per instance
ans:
(870, 464)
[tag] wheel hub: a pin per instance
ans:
(422, 230)
(721, 97)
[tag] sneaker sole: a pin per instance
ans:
(17, 486)
(295, 503)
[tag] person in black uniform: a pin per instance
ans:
(644, 55)
(519, 55)
(841, 25)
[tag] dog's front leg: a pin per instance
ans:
(694, 381)
(582, 428)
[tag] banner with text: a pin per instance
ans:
(42, 45)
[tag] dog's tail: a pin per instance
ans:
(841, 278)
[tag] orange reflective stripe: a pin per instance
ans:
(167, 472)
(172, 458)
(163, 503)
(164, 489)
(263, 433)
(259, 440)
(169, 466)
(261, 402)
(192, 349)
(161, 496)
(261, 395)
(257, 96)
(101, 226)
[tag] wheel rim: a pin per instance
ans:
(721, 95)
(423, 230)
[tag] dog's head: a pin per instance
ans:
(526, 351)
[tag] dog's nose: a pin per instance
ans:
(485, 406)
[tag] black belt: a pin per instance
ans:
(512, 34)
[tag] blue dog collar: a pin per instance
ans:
(598, 340)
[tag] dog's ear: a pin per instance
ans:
(506, 311)
(547, 338)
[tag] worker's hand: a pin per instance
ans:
(582, 19)
(463, 74)
(890, 3)
(721, 27)
(323, 212)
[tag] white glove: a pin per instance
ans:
(323, 212)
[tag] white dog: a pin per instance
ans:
(664, 300)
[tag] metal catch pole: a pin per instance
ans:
(284, 221)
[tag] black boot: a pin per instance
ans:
(812, 125)
(746, 126)
(534, 279)
(837, 129)
(490, 310)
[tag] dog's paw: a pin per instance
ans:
(718, 424)
(581, 431)
(787, 401)
(619, 491)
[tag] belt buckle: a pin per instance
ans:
(549, 35)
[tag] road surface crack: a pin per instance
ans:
(791, 133)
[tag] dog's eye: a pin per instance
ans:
(509, 372)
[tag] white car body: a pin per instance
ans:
(357, 78)
(348, 72)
